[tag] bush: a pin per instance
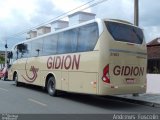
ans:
(2, 60)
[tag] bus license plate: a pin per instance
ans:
(130, 81)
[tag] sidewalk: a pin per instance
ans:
(152, 97)
(144, 99)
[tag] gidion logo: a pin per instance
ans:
(33, 70)
(64, 62)
(128, 71)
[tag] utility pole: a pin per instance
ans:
(136, 12)
(136, 22)
(6, 52)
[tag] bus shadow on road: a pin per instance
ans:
(106, 102)
(31, 87)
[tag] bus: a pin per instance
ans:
(98, 57)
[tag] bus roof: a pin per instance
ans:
(61, 30)
(98, 20)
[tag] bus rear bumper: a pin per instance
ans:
(120, 90)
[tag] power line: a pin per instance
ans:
(90, 3)
(44, 23)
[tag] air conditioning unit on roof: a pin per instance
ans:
(43, 30)
(31, 34)
(79, 17)
(59, 24)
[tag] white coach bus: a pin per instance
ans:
(100, 57)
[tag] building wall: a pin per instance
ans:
(153, 66)
(153, 51)
(2, 53)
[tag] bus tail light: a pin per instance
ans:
(105, 76)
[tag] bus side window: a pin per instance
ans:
(27, 50)
(61, 46)
(67, 42)
(88, 36)
(21, 51)
(71, 38)
(37, 47)
(18, 54)
(15, 53)
(50, 45)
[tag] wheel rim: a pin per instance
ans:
(52, 86)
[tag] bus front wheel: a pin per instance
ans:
(15, 78)
(51, 87)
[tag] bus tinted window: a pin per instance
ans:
(36, 47)
(61, 47)
(71, 37)
(15, 54)
(27, 50)
(125, 33)
(80, 39)
(50, 45)
(21, 51)
(88, 36)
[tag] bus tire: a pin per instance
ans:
(15, 78)
(51, 86)
(5, 77)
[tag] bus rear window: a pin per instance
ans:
(125, 33)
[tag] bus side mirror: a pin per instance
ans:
(10, 55)
(9, 66)
(38, 50)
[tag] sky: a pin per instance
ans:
(18, 16)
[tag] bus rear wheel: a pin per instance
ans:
(51, 86)
(15, 78)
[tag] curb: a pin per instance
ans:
(140, 102)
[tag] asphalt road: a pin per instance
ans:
(33, 100)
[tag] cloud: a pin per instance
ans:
(14, 14)
(149, 18)
(9, 8)
(124, 9)
(151, 32)
(64, 6)
(113, 9)
(149, 10)
(19, 15)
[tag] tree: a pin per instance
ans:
(2, 60)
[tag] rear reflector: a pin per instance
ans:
(105, 76)
(130, 44)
